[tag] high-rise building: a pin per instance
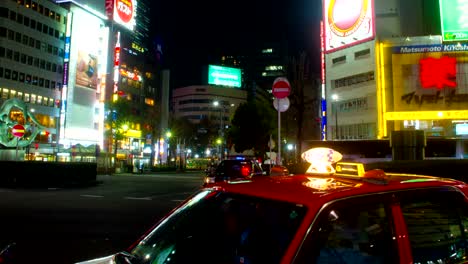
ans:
(32, 43)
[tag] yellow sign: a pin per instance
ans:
(427, 115)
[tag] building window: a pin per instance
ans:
(36, 62)
(18, 37)
(9, 54)
(1, 72)
(47, 84)
(14, 75)
(33, 24)
(31, 42)
(337, 60)
(19, 19)
(23, 58)
(2, 52)
(41, 82)
(28, 79)
(5, 93)
(3, 32)
(7, 74)
(25, 40)
(16, 56)
(38, 44)
(21, 77)
(26, 97)
(19, 95)
(42, 66)
(362, 54)
(13, 15)
(3, 12)
(33, 98)
(11, 35)
(34, 80)
(26, 21)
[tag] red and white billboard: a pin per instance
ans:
(125, 13)
(347, 22)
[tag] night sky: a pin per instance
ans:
(194, 33)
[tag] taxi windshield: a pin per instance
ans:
(220, 227)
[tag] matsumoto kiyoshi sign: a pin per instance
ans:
(430, 48)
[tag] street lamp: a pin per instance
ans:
(335, 109)
(221, 130)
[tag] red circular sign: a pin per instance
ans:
(281, 88)
(18, 130)
(124, 10)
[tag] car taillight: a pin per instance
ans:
(210, 180)
(245, 171)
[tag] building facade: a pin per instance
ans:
(396, 68)
(32, 42)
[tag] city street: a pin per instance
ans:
(69, 225)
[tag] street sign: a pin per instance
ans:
(281, 104)
(18, 130)
(281, 88)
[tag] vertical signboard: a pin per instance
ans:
(454, 19)
(347, 22)
(109, 6)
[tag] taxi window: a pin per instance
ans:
(437, 221)
(223, 228)
(351, 231)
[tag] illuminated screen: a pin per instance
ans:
(219, 75)
(125, 13)
(347, 22)
(430, 78)
(461, 129)
(454, 19)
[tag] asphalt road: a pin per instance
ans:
(70, 225)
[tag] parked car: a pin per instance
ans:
(234, 168)
(348, 216)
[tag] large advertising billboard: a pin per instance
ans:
(347, 22)
(124, 13)
(454, 19)
(225, 76)
(429, 82)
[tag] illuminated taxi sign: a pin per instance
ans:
(350, 169)
(321, 160)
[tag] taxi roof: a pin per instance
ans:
(308, 189)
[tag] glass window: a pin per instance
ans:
(11, 35)
(9, 54)
(21, 77)
(54, 67)
(56, 34)
(2, 52)
(51, 31)
(39, 26)
(1, 72)
(40, 9)
(28, 79)
(16, 56)
(26, 97)
(36, 62)
(19, 95)
(19, 18)
(13, 15)
(52, 85)
(45, 29)
(51, 102)
(3, 12)
(354, 230)
(39, 100)
(49, 48)
(27, 3)
(34, 5)
(34, 80)
(48, 66)
(437, 221)
(5, 93)
(25, 40)
(7, 74)
(26, 21)
(42, 66)
(23, 58)
(18, 37)
(38, 44)
(240, 229)
(33, 98)
(14, 75)
(47, 12)
(3, 32)
(57, 17)
(33, 24)
(41, 82)
(47, 83)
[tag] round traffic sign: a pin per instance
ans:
(18, 130)
(281, 104)
(281, 88)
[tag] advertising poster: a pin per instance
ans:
(347, 22)
(86, 70)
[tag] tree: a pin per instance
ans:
(298, 70)
(252, 124)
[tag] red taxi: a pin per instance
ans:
(341, 215)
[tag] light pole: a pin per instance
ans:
(335, 109)
(168, 136)
(221, 130)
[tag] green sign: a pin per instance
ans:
(454, 19)
(219, 75)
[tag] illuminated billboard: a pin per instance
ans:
(225, 76)
(454, 19)
(123, 12)
(347, 22)
(430, 78)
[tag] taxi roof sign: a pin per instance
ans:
(350, 169)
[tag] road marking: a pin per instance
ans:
(91, 196)
(138, 198)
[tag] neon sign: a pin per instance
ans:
(438, 73)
